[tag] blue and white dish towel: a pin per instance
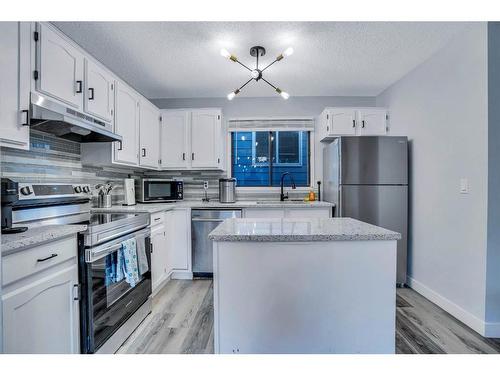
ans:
(127, 262)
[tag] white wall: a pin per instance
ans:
(442, 107)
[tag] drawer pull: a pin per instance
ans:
(158, 218)
(49, 257)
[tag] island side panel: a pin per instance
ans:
(305, 297)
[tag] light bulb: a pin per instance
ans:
(288, 51)
(225, 53)
(231, 96)
(284, 95)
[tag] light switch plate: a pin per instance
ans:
(464, 186)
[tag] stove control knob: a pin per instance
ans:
(86, 189)
(26, 190)
(78, 189)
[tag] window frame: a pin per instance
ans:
(266, 189)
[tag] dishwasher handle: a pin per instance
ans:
(207, 220)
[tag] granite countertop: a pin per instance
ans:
(299, 230)
(157, 207)
(14, 242)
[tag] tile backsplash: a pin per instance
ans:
(52, 159)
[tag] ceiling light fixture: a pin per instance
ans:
(256, 74)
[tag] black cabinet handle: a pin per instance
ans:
(120, 146)
(91, 96)
(143, 152)
(192, 156)
(27, 121)
(363, 123)
(183, 156)
(353, 123)
(49, 257)
(151, 248)
(79, 87)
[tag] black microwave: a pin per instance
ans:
(159, 190)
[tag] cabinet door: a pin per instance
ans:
(42, 317)
(60, 68)
(179, 237)
(15, 41)
(206, 139)
(126, 125)
(149, 125)
(174, 139)
(99, 91)
(159, 256)
(257, 213)
(341, 121)
(308, 212)
(372, 121)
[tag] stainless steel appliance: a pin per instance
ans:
(9, 190)
(129, 190)
(151, 190)
(109, 310)
(203, 221)
(51, 117)
(227, 190)
(367, 179)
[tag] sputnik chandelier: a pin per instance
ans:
(256, 74)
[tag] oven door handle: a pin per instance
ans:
(94, 253)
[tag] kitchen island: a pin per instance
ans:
(304, 286)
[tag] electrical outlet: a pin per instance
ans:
(464, 186)
(205, 185)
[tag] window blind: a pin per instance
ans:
(289, 124)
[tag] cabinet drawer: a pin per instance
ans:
(25, 263)
(157, 218)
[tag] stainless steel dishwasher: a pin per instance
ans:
(203, 221)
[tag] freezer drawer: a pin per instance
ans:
(384, 206)
(202, 223)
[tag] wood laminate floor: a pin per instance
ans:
(182, 322)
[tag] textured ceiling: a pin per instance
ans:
(182, 60)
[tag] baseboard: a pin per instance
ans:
(492, 330)
(181, 275)
(452, 308)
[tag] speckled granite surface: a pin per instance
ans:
(295, 230)
(157, 207)
(34, 236)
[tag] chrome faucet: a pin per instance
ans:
(283, 196)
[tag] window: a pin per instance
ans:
(259, 158)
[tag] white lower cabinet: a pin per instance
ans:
(287, 212)
(41, 305)
(159, 256)
(178, 223)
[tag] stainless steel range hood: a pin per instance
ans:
(51, 117)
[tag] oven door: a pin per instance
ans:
(158, 190)
(106, 304)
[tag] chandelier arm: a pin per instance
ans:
(269, 83)
(243, 65)
(246, 83)
(269, 65)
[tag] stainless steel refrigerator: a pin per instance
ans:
(367, 179)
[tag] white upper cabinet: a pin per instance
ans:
(340, 121)
(126, 125)
(149, 124)
(206, 138)
(59, 68)
(15, 38)
(99, 97)
(174, 139)
(335, 122)
(373, 121)
(192, 139)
